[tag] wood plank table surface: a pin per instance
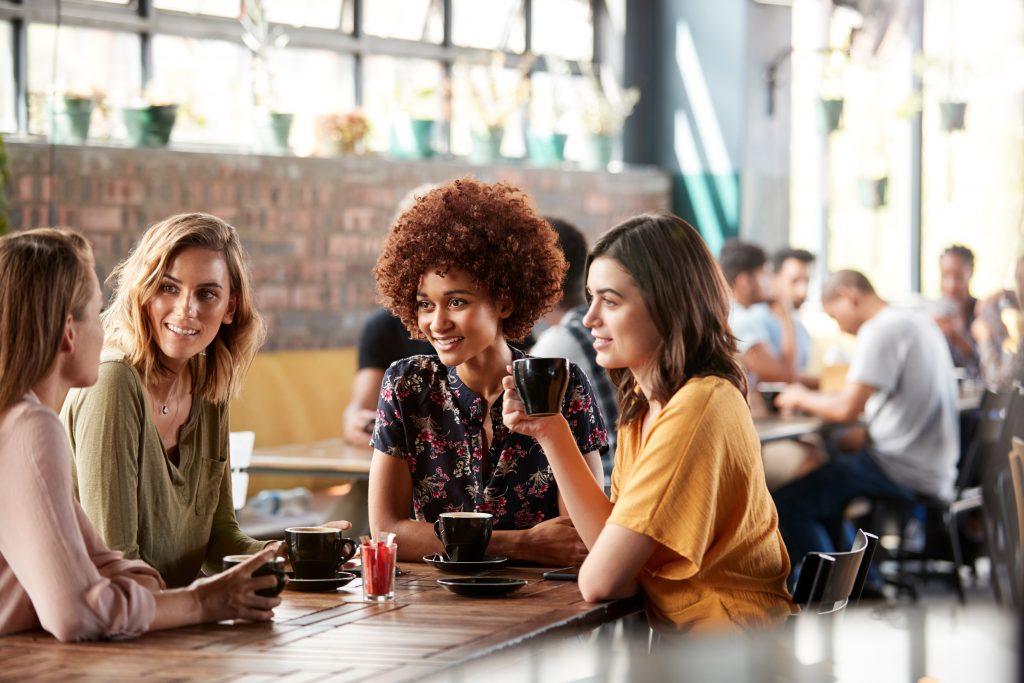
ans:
(331, 457)
(331, 636)
(781, 427)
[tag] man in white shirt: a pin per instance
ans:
(902, 379)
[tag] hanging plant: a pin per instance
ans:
(830, 114)
(874, 192)
(952, 114)
(5, 180)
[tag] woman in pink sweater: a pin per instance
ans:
(55, 571)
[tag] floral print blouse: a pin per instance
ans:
(429, 418)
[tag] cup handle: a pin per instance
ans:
(437, 529)
(346, 549)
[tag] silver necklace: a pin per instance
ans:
(164, 407)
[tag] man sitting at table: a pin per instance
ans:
(791, 277)
(901, 378)
(745, 268)
(766, 340)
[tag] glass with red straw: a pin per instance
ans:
(378, 556)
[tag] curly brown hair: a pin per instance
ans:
(487, 230)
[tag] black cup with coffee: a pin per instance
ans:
(317, 551)
(465, 535)
(275, 566)
(541, 383)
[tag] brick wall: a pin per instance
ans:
(313, 227)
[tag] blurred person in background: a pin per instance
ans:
(791, 277)
(567, 337)
(956, 312)
(745, 267)
(901, 379)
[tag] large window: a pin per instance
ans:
(397, 60)
(8, 122)
(82, 61)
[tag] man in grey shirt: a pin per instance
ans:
(902, 380)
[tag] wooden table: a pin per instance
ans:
(336, 458)
(329, 636)
(332, 457)
(781, 427)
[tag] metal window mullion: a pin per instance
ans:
(446, 18)
(19, 49)
(527, 26)
(596, 24)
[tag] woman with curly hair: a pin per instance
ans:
(690, 520)
(469, 267)
(150, 438)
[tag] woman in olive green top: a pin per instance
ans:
(150, 438)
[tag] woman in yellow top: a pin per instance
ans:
(690, 521)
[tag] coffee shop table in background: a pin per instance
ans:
(330, 636)
(328, 458)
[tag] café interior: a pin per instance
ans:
(842, 161)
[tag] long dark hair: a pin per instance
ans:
(687, 299)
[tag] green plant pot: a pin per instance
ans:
(486, 145)
(952, 114)
(830, 114)
(598, 151)
(69, 120)
(422, 135)
(273, 130)
(873, 192)
(547, 150)
(150, 126)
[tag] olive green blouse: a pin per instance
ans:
(178, 519)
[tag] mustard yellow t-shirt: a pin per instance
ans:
(696, 486)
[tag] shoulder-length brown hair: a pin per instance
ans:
(686, 297)
(136, 280)
(44, 278)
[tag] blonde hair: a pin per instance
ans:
(44, 278)
(136, 280)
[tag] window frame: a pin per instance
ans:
(141, 18)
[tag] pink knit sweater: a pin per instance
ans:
(55, 570)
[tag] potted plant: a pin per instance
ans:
(342, 133)
(493, 103)
(150, 124)
(831, 102)
(606, 108)
(412, 130)
(873, 191)
(547, 137)
(70, 114)
(951, 114)
(830, 114)
(273, 126)
(5, 180)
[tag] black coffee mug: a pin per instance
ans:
(317, 551)
(541, 383)
(275, 566)
(465, 535)
(769, 391)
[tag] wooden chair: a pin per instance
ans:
(943, 516)
(1000, 508)
(828, 581)
(1017, 473)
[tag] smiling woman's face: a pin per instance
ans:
(624, 332)
(194, 299)
(457, 317)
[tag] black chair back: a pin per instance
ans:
(829, 580)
